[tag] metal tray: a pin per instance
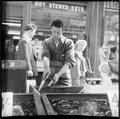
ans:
(46, 97)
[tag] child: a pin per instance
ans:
(78, 72)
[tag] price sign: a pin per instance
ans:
(113, 100)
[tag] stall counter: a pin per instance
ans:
(99, 88)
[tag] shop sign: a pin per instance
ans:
(112, 5)
(60, 6)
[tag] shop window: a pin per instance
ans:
(109, 52)
(11, 29)
(111, 30)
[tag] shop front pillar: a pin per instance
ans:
(95, 37)
(26, 13)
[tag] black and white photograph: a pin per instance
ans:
(60, 58)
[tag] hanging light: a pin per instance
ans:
(12, 24)
(16, 37)
(14, 32)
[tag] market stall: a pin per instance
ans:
(89, 100)
(21, 97)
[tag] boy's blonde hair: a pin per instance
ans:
(79, 42)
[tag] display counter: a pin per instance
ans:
(36, 104)
(107, 91)
(100, 88)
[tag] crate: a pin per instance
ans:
(49, 98)
(28, 103)
(53, 89)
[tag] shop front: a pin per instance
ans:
(88, 20)
(92, 21)
(80, 21)
(110, 45)
(99, 21)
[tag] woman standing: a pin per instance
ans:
(78, 72)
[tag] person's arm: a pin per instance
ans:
(78, 64)
(63, 69)
(61, 72)
(69, 60)
(46, 60)
(70, 57)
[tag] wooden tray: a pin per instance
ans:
(47, 96)
(37, 95)
(24, 97)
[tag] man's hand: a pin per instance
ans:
(46, 73)
(29, 73)
(61, 72)
(56, 78)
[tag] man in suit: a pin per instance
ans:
(58, 55)
(25, 50)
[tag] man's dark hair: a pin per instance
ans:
(57, 23)
(30, 27)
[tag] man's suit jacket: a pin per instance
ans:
(25, 52)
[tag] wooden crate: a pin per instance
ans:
(50, 110)
(27, 100)
(37, 95)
